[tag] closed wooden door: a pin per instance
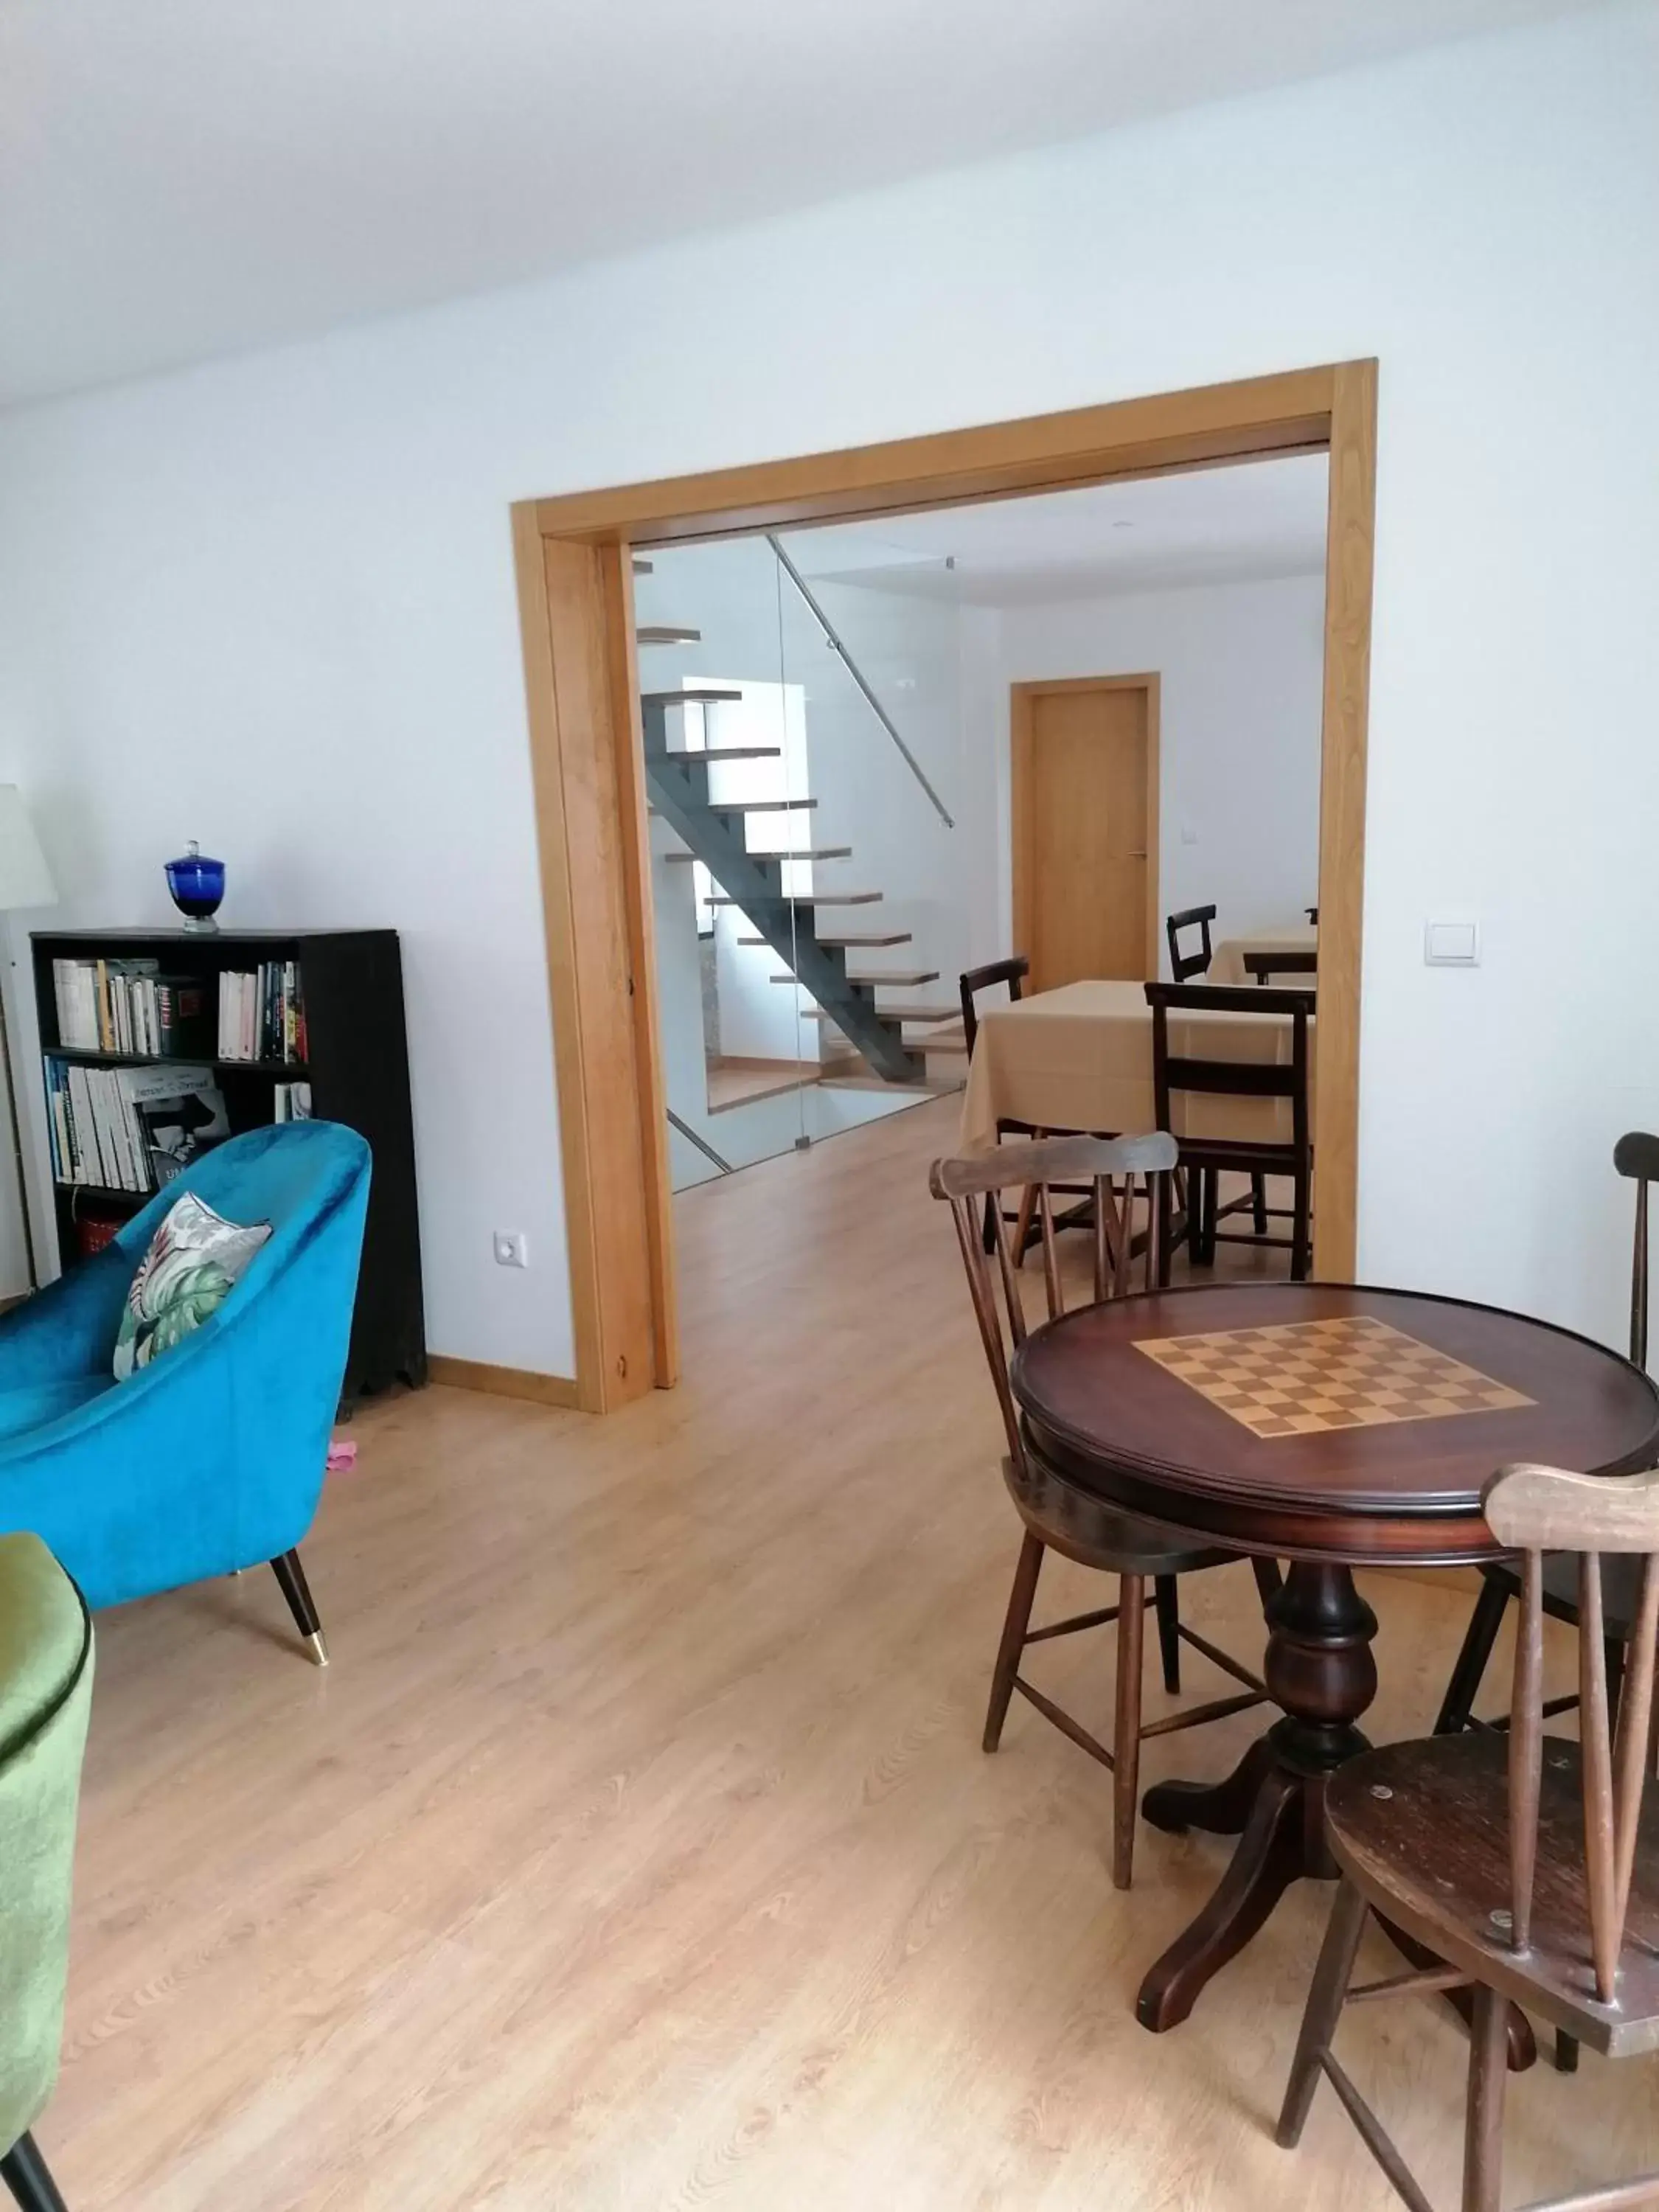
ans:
(1084, 791)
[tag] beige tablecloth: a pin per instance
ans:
(1080, 1058)
(1227, 961)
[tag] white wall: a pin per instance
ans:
(1242, 668)
(270, 604)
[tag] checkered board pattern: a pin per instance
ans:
(1353, 1372)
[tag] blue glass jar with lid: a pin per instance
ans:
(198, 885)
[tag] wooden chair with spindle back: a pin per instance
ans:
(1637, 1156)
(1146, 1559)
(1529, 1865)
(1184, 966)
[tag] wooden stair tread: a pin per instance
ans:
(866, 938)
(803, 853)
(667, 633)
(810, 898)
(759, 805)
(689, 696)
(890, 1014)
(899, 981)
(819, 853)
(749, 806)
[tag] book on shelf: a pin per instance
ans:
(129, 1007)
(261, 1012)
(130, 1128)
(291, 1102)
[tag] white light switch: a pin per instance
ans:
(1451, 944)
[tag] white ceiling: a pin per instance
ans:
(181, 178)
(1257, 519)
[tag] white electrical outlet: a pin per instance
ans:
(512, 1248)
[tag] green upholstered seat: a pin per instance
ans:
(45, 1691)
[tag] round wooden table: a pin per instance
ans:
(1357, 1431)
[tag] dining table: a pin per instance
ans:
(1328, 1426)
(1079, 1057)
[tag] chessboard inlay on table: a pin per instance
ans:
(1347, 1372)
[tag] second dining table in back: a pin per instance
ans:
(1080, 1059)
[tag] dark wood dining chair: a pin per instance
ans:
(1262, 967)
(996, 975)
(1146, 1558)
(1529, 1865)
(1207, 1159)
(1184, 966)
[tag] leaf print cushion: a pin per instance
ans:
(194, 1261)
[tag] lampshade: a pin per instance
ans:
(24, 878)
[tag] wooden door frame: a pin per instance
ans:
(1021, 733)
(575, 603)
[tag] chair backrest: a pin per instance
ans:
(1637, 1156)
(1231, 1079)
(1011, 971)
(1260, 966)
(1535, 1510)
(45, 1693)
(1185, 964)
(1038, 1167)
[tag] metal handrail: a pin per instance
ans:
(705, 1149)
(838, 644)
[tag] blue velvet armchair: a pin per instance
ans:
(211, 1458)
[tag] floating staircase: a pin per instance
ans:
(798, 927)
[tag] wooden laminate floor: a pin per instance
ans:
(637, 1850)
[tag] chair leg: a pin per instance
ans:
(1014, 1625)
(1301, 1235)
(1483, 2137)
(1268, 1580)
(1259, 1204)
(1166, 1598)
(1566, 2052)
(1324, 2008)
(1126, 1735)
(295, 1589)
(1478, 1640)
(25, 2173)
(1164, 1225)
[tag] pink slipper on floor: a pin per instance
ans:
(342, 1455)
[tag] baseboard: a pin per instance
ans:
(503, 1382)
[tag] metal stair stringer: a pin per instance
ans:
(679, 785)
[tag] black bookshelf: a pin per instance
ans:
(357, 1065)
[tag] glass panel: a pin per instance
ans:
(734, 1061)
(871, 649)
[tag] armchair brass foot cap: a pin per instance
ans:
(316, 1647)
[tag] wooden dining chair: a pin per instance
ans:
(1530, 1866)
(995, 975)
(1184, 966)
(1635, 1156)
(1146, 1558)
(1207, 1159)
(1262, 967)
